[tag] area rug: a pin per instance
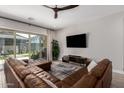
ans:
(61, 70)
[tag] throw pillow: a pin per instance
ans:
(91, 65)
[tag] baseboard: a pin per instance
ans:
(118, 71)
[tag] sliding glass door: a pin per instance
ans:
(38, 46)
(22, 45)
(6, 45)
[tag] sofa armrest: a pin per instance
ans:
(45, 66)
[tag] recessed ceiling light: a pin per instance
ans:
(30, 18)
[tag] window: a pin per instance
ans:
(22, 45)
(38, 46)
(6, 45)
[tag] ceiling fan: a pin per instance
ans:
(56, 8)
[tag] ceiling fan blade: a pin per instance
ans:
(47, 6)
(67, 7)
(56, 9)
(56, 15)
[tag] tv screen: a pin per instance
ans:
(76, 41)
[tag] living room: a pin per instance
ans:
(35, 45)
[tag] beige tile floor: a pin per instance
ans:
(2, 80)
(117, 80)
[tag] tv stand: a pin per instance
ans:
(76, 59)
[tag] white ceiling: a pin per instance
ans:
(44, 17)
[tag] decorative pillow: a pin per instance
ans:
(22, 71)
(91, 65)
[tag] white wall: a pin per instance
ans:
(105, 39)
(8, 24)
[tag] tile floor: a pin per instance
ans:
(2, 77)
(117, 80)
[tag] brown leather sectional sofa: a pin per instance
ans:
(99, 77)
(22, 75)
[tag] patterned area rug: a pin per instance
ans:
(61, 70)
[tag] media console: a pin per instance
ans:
(76, 59)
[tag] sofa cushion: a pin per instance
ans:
(98, 70)
(74, 77)
(22, 71)
(48, 76)
(34, 69)
(87, 81)
(33, 81)
(59, 84)
(13, 62)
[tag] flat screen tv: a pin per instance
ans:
(77, 41)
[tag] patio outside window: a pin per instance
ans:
(22, 45)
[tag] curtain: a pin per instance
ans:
(50, 36)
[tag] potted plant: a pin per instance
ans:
(55, 50)
(35, 55)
